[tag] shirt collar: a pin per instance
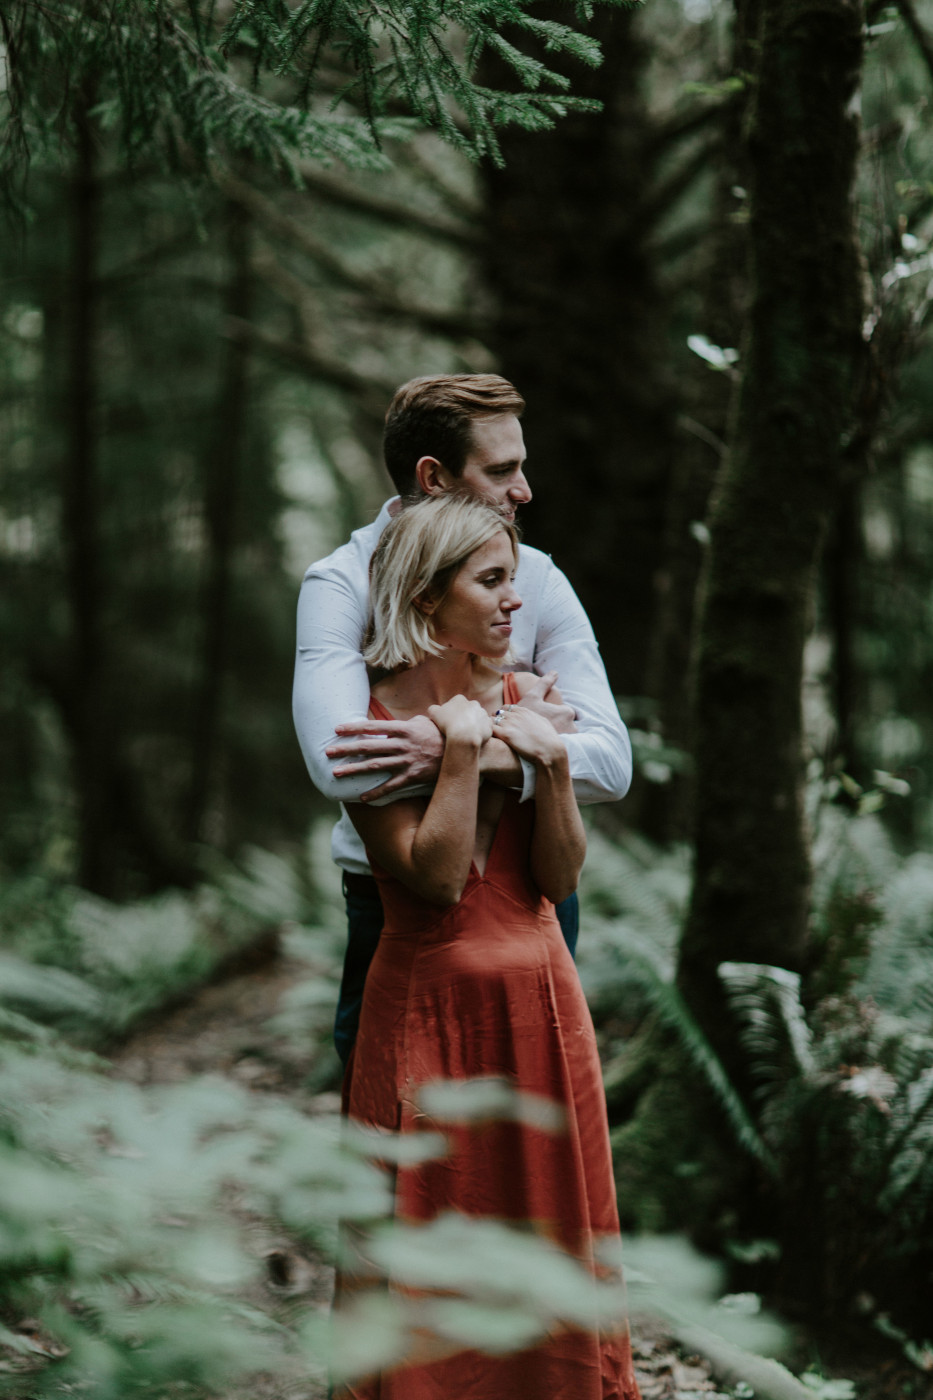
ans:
(384, 516)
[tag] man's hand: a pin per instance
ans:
(411, 748)
(543, 698)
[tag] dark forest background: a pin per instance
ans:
(230, 232)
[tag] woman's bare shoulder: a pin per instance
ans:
(522, 680)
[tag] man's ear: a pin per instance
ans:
(433, 478)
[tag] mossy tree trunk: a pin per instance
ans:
(779, 489)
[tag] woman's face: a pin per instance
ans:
(476, 613)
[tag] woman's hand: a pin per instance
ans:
(529, 734)
(545, 699)
(462, 720)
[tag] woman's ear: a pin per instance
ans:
(425, 603)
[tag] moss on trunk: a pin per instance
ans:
(780, 485)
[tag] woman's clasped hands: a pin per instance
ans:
(523, 729)
(462, 719)
(529, 734)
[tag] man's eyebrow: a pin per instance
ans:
(509, 462)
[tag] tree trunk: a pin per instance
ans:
(221, 491)
(80, 520)
(662, 810)
(580, 329)
(779, 489)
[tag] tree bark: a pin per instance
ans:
(780, 486)
(81, 517)
(662, 811)
(580, 328)
(221, 492)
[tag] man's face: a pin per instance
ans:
(494, 467)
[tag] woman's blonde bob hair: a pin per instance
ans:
(417, 557)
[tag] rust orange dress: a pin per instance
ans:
(487, 988)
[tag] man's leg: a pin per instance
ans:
(364, 925)
(568, 916)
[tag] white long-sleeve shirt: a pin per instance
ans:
(550, 632)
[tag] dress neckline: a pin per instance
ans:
(509, 697)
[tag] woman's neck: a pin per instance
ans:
(436, 680)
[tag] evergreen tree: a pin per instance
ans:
(779, 488)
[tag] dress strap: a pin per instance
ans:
(377, 710)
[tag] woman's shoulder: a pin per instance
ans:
(390, 692)
(522, 681)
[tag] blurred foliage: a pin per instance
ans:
(128, 1261)
(92, 968)
(209, 472)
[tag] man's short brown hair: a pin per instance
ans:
(433, 417)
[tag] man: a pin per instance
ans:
(443, 432)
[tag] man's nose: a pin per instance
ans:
(520, 491)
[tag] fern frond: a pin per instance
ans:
(666, 1001)
(767, 1001)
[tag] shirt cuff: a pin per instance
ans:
(529, 779)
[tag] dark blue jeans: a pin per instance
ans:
(364, 925)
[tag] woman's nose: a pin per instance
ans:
(512, 601)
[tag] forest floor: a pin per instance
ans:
(228, 1029)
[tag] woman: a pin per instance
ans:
(472, 978)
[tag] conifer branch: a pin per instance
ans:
(372, 392)
(659, 201)
(380, 296)
(173, 84)
(389, 211)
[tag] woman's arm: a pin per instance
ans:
(558, 843)
(430, 848)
